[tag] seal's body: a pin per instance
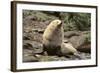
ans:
(52, 37)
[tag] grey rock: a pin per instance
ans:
(36, 47)
(30, 59)
(71, 33)
(78, 40)
(28, 56)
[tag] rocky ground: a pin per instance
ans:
(32, 42)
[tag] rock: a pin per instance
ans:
(28, 36)
(33, 45)
(52, 58)
(38, 30)
(30, 59)
(29, 19)
(71, 33)
(33, 36)
(86, 47)
(28, 56)
(79, 40)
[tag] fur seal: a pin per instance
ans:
(53, 43)
(52, 37)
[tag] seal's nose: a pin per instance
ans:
(61, 23)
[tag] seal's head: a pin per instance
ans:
(56, 23)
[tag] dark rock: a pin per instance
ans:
(86, 47)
